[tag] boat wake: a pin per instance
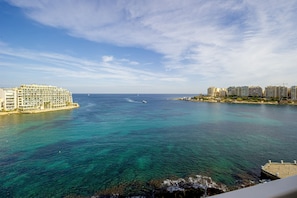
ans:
(132, 101)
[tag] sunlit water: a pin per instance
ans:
(116, 139)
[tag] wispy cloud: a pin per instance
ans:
(224, 41)
(65, 66)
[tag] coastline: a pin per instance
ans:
(74, 106)
(192, 99)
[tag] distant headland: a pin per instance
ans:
(35, 99)
(248, 95)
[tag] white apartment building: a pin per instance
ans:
(35, 97)
(294, 93)
(8, 99)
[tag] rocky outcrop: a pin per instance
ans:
(197, 186)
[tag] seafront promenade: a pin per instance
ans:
(74, 106)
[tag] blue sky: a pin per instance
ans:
(148, 46)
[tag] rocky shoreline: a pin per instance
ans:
(235, 101)
(196, 186)
(193, 186)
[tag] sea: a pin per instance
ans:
(116, 140)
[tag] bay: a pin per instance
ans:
(115, 139)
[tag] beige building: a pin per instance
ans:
(8, 99)
(211, 91)
(216, 92)
(35, 97)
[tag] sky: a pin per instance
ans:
(148, 46)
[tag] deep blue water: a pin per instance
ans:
(116, 139)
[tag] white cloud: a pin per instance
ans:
(61, 65)
(223, 41)
(107, 58)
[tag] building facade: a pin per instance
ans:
(276, 92)
(8, 99)
(271, 92)
(35, 97)
(255, 91)
(231, 91)
(294, 93)
(216, 92)
(211, 91)
(244, 91)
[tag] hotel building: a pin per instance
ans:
(34, 97)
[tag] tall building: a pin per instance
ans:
(231, 91)
(255, 91)
(8, 98)
(216, 92)
(294, 93)
(222, 92)
(271, 92)
(277, 92)
(283, 92)
(35, 97)
(238, 91)
(244, 91)
(211, 91)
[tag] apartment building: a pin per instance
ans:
(244, 91)
(231, 91)
(294, 93)
(8, 100)
(276, 92)
(211, 91)
(35, 97)
(255, 91)
(216, 92)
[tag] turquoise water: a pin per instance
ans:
(116, 139)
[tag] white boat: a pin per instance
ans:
(144, 101)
